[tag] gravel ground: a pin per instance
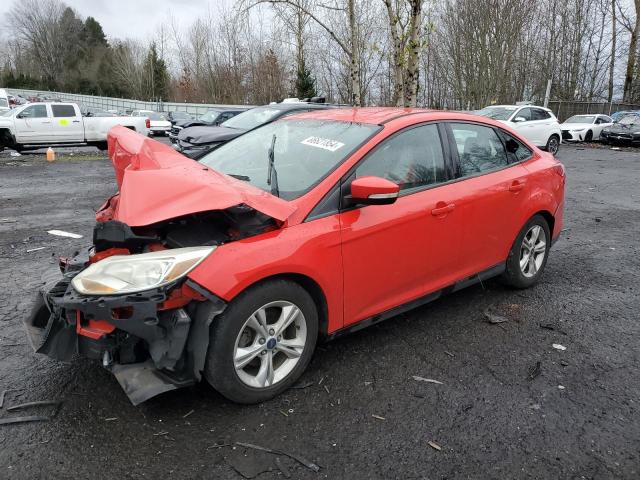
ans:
(509, 406)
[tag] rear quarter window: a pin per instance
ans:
(63, 110)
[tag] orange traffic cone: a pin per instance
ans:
(51, 155)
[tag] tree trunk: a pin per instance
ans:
(631, 58)
(612, 65)
(354, 69)
(413, 54)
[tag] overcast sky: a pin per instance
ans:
(136, 18)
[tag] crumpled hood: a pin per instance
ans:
(625, 127)
(204, 135)
(156, 183)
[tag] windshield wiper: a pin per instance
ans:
(272, 174)
(244, 178)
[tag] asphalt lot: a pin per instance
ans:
(495, 415)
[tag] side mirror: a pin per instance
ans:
(373, 191)
(519, 119)
(20, 115)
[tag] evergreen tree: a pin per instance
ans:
(305, 83)
(156, 75)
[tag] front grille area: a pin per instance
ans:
(175, 130)
(566, 135)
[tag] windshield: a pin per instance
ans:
(3, 102)
(305, 151)
(155, 116)
(210, 116)
(581, 119)
(252, 118)
(629, 119)
(497, 113)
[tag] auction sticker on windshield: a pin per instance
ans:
(324, 143)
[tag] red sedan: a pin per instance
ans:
(323, 223)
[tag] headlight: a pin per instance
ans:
(133, 273)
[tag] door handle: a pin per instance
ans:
(442, 210)
(46, 122)
(75, 121)
(516, 186)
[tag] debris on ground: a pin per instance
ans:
(561, 387)
(449, 353)
(35, 249)
(111, 419)
(62, 233)
(535, 371)
(15, 154)
(378, 417)
(188, 413)
(434, 445)
(557, 346)
(301, 460)
(35, 418)
(39, 403)
(428, 380)
(300, 385)
(2, 394)
(503, 313)
(282, 468)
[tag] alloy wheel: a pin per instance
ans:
(553, 145)
(270, 344)
(532, 251)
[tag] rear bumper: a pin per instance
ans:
(150, 351)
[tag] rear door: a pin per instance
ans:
(492, 190)
(389, 251)
(67, 123)
(33, 124)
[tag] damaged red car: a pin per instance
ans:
(232, 268)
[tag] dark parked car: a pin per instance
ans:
(175, 117)
(197, 141)
(211, 118)
(624, 131)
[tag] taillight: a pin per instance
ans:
(147, 122)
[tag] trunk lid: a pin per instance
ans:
(156, 183)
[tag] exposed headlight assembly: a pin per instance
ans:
(134, 273)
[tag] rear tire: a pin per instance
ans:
(528, 255)
(553, 144)
(250, 360)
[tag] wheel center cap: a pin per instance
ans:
(271, 343)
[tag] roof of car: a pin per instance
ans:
(372, 115)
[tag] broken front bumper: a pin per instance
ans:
(150, 348)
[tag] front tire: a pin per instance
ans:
(262, 342)
(528, 255)
(589, 136)
(553, 144)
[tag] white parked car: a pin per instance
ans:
(159, 123)
(537, 124)
(38, 125)
(584, 128)
(4, 100)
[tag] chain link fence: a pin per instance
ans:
(566, 109)
(122, 105)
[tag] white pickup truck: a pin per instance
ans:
(38, 125)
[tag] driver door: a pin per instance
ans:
(33, 125)
(526, 127)
(390, 250)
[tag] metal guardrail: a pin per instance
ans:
(123, 104)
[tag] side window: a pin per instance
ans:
(412, 158)
(516, 150)
(538, 114)
(524, 113)
(479, 149)
(34, 111)
(63, 111)
(605, 119)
